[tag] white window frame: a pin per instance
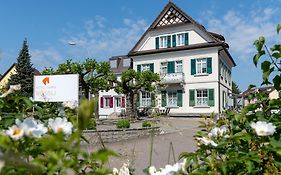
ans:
(201, 97)
(145, 99)
(172, 99)
(201, 66)
(118, 101)
(180, 39)
(164, 68)
(178, 66)
(107, 102)
(163, 41)
(145, 67)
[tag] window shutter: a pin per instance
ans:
(123, 102)
(191, 97)
(111, 102)
(157, 43)
(139, 68)
(174, 44)
(153, 100)
(186, 39)
(209, 65)
(101, 102)
(193, 66)
(169, 41)
(163, 99)
(138, 100)
(152, 67)
(211, 97)
(171, 67)
(179, 98)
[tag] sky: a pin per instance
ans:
(105, 28)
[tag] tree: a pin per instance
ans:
(93, 76)
(24, 72)
(235, 88)
(132, 83)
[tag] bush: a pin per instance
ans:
(146, 124)
(123, 123)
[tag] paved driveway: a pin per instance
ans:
(177, 131)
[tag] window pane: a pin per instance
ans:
(127, 62)
(113, 63)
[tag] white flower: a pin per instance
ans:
(2, 164)
(124, 170)
(218, 131)
(32, 127)
(249, 113)
(60, 125)
(207, 141)
(115, 171)
(15, 87)
(15, 132)
(70, 104)
(152, 170)
(263, 128)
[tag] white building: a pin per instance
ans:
(194, 63)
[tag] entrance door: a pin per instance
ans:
(117, 106)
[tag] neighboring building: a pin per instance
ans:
(194, 63)
(4, 79)
(270, 91)
(111, 103)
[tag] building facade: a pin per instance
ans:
(193, 63)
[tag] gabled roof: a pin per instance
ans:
(10, 68)
(119, 64)
(178, 13)
(266, 90)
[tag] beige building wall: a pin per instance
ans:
(4, 81)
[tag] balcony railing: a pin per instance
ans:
(172, 78)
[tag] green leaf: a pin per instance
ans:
(257, 56)
(278, 27)
(277, 82)
(276, 47)
(265, 66)
(259, 43)
(276, 55)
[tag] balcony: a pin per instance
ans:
(172, 78)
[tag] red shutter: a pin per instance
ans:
(123, 102)
(111, 102)
(101, 102)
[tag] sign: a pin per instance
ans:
(56, 88)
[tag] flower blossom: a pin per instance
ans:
(60, 125)
(218, 131)
(207, 141)
(263, 128)
(70, 104)
(32, 127)
(15, 132)
(12, 89)
(169, 169)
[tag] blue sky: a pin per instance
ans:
(105, 28)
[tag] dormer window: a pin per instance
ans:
(180, 39)
(113, 63)
(172, 40)
(163, 42)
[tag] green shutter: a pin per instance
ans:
(153, 100)
(138, 99)
(163, 99)
(209, 65)
(139, 68)
(157, 42)
(174, 44)
(211, 97)
(193, 66)
(169, 41)
(171, 67)
(179, 98)
(186, 39)
(152, 67)
(191, 97)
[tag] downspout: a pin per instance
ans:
(219, 81)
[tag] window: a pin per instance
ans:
(113, 63)
(118, 101)
(202, 97)
(180, 39)
(178, 66)
(107, 102)
(145, 67)
(126, 62)
(163, 42)
(145, 99)
(164, 68)
(201, 66)
(172, 99)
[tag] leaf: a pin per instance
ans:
(278, 28)
(259, 43)
(85, 113)
(257, 56)
(277, 82)
(276, 47)
(276, 55)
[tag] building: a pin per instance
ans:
(270, 91)
(111, 103)
(195, 64)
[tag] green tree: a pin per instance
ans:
(24, 72)
(235, 88)
(132, 83)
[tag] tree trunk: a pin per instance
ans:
(131, 106)
(96, 98)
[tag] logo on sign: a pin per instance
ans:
(46, 80)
